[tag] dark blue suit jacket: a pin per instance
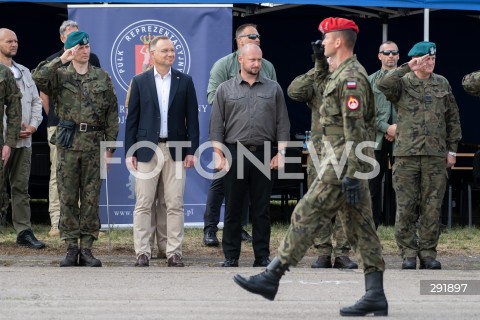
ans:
(143, 120)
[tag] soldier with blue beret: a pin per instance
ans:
(426, 141)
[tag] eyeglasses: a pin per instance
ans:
(251, 36)
(388, 52)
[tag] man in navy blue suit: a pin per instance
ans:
(162, 119)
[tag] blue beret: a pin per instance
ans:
(423, 48)
(76, 37)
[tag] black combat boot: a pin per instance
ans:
(374, 300)
(265, 283)
(87, 259)
(71, 259)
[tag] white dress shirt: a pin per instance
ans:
(163, 93)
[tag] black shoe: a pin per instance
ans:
(322, 262)
(261, 262)
(344, 262)
(430, 263)
(373, 302)
(266, 283)
(142, 261)
(409, 264)
(26, 238)
(86, 259)
(71, 259)
(246, 237)
(210, 239)
(230, 262)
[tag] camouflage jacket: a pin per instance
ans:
(308, 88)
(10, 97)
(347, 117)
(471, 83)
(428, 119)
(95, 104)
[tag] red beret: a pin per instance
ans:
(336, 24)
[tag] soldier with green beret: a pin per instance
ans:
(88, 111)
(426, 140)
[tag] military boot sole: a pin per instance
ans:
(376, 313)
(242, 282)
(68, 263)
(85, 264)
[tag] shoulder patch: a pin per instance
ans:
(353, 103)
(351, 84)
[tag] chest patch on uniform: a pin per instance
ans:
(353, 103)
(351, 84)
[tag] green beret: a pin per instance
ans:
(423, 48)
(76, 37)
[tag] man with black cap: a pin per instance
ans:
(87, 107)
(347, 116)
(426, 141)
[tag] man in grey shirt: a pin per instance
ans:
(249, 112)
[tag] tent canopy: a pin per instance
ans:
(432, 4)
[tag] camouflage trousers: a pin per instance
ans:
(330, 231)
(317, 208)
(78, 177)
(419, 182)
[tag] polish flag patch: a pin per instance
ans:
(353, 103)
(351, 84)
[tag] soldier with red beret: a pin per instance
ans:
(347, 115)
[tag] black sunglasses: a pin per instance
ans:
(251, 36)
(387, 52)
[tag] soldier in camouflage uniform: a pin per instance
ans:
(9, 98)
(303, 89)
(426, 140)
(83, 94)
(471, 83)
(347, 117)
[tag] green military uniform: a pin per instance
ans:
(471, 83)
(348, 115)
(89, 100)
(428, 128)
(303, 89)
(10, 96)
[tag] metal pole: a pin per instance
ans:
(108, 210)
(426, 24)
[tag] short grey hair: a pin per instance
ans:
(66, 24)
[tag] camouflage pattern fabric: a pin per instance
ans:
(428, 128)
(90, 99)
(10, 96)
(428, 119)
(471, 83)
(417, 178)
(303, 89)
(347, 103)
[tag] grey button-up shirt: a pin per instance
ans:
(249, 114)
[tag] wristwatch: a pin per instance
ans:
(453, 154)
(111, 150)
(282, 152)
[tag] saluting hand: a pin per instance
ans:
(418, 63)
(69, 54)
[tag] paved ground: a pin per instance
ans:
(35, 288)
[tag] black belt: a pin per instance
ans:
(251, 148)
(84, 127)
(162, 140)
